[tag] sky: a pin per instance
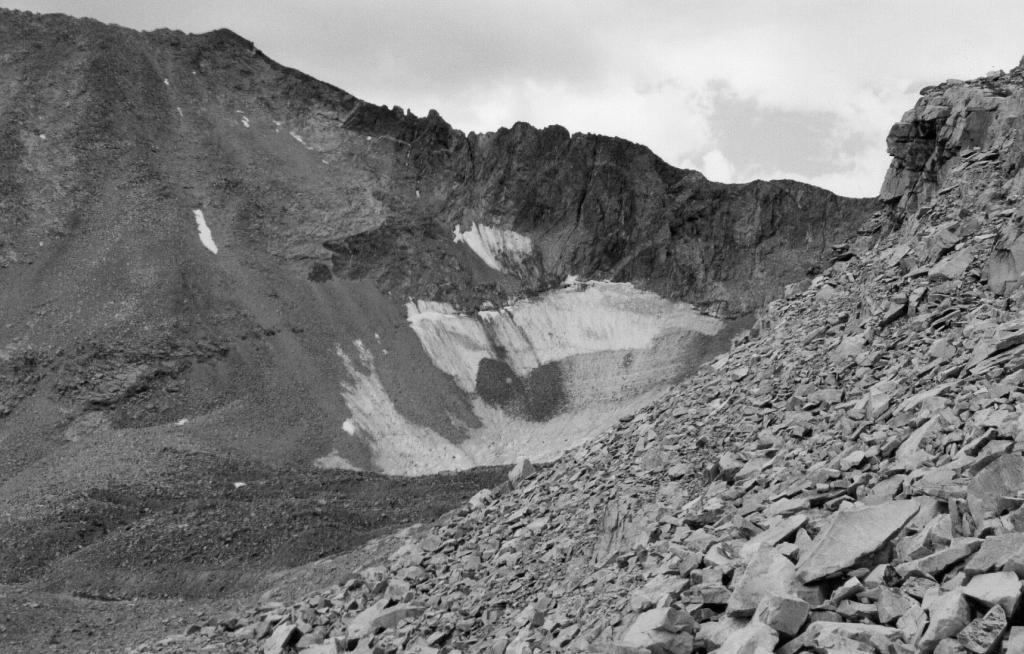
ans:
(741, 90)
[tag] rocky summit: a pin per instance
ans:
(841, 470)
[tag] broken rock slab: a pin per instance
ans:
(826, 636)
(948, 614)
(783, 613)
(985, 633)
(994, 489)
(852, 536)
(995, 588)
(768, 572)
(662, 630)
(752, 639)
(995, 553)
(520, 472)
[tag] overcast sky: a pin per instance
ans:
(805, 89)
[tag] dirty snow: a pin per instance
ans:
(398, 446)
(590, 318)
(205, 235)
(501, 249)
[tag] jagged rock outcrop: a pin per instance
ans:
(951, 126)
(877, 415)
(593, 206)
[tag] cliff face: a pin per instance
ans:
(598, 207)
(951, 125)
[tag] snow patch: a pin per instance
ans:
(180, 112)
(398, 446)
(182, 422)
(205, 235)
(42, 137)
(349, 427)
(586, 319)
(166, 82)
(500, 249)
(298, 138)
(245, 121)
(334, 461)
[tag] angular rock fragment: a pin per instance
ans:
(993, 491)
(995, 552)
(767, 572)
(783, 613)
(948, 614)
(664, 629)
(520, 472)
(752, 639)
(853, 535)
(995, 588)
(985, 633)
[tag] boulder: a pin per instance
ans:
(284, 635)
(768, 572)
(892, 604)
(948, 614)
(952, 267)
(751, 639)
(995, 588)
(773, 535)
(852, 536)
(376, 617)
(520, 472)
(662, 630)
(985, 633)
(994, 489)
(783, 613)
(828, 636)
(995, 553)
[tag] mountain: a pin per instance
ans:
(287, 336)
(847, 479)
(232, 295)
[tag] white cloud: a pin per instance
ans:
(717, 168)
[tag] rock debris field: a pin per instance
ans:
(848, 478)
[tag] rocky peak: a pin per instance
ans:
(952, 125)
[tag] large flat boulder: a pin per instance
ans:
(852, 536)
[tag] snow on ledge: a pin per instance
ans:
(205, 235)
(498, 248)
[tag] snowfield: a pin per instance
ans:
(575, 320)
(501, 249)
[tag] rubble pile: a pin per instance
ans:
(849, 478)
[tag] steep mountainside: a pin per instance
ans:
(850, 479)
